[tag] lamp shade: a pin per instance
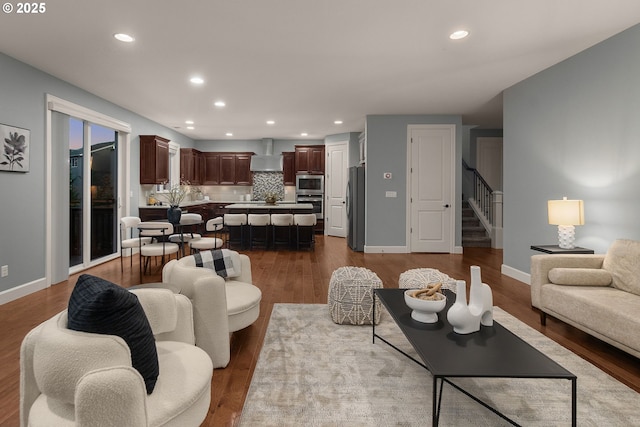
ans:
(566, 212)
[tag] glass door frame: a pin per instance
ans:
(123, 129)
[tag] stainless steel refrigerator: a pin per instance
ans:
(355, 208)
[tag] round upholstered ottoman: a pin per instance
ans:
(421, 277)
(351, 296)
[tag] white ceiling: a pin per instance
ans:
(306, 63)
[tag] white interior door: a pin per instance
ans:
(431, 187)
(335, 189)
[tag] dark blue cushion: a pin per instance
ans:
(99, 306)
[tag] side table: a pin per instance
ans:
(555, 249)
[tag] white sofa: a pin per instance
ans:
(220, 306)
(599, 294)
(68, 377)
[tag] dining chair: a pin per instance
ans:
(215, 226)
(160, 231)
(185, 230)
(128, 240)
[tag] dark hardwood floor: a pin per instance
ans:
(298, 277)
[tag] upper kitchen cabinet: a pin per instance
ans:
(211, 174)
(235, 168)
(243, 168)
(154, 159)
(309, 159)
(289, 168)
(191, 166)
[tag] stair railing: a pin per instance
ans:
(486, 203)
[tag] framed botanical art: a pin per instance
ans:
(15, 149)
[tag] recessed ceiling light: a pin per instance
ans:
(190, 127)
(304, 134)
(338, 122)
(189, 122)
(229, 134)
(196, 80)
(219, 103)
(460, 34)
(124, 37)
(271, 122)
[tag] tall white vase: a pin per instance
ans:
(459, 316)
(466, 318)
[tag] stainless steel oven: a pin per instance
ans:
(316, 200)
(309, 184)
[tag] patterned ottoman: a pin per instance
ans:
(351, 296)
(421, 277)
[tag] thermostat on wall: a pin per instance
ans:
(387, 175)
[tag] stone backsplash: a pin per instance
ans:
(268, 182)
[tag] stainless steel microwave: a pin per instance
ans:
(309, 184)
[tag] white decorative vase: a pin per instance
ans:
(459, 315)
(466, 318)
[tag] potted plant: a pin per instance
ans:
(270, 198)
(174, 196)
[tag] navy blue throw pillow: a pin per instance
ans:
(99, 306)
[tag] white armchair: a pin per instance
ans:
(220, 306)
(69, 377)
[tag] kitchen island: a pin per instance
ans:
(269, 237)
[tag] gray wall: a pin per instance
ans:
(387, 152)
(572, 130)
(22, 215)
(253, 145)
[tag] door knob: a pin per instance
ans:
(446, 206)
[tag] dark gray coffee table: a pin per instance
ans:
(492, 352)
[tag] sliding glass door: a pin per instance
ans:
(93, 195)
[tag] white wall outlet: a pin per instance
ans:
(4, 271)
(387, 175)
(391, 194)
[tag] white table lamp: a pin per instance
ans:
(566, 214)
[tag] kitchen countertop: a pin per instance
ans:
(263, 205)
(220, 202)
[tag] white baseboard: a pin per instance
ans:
(516, 274)
(386, 249)
(398, 249)
(22, 290)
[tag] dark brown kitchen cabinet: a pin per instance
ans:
(191, 166)
(235, 168)
(152, 214)
(211, 175)
(309, 159)
(289, 167)
(154, 159)
(243, 168)
(227, 169)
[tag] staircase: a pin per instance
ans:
(474, 234)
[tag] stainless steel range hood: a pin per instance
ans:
(266, 162)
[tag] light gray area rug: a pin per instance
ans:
(312, 372)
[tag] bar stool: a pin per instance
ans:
(305, 223)
(214, 225)
(281, 221)
(235, 223)
(258, 222)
